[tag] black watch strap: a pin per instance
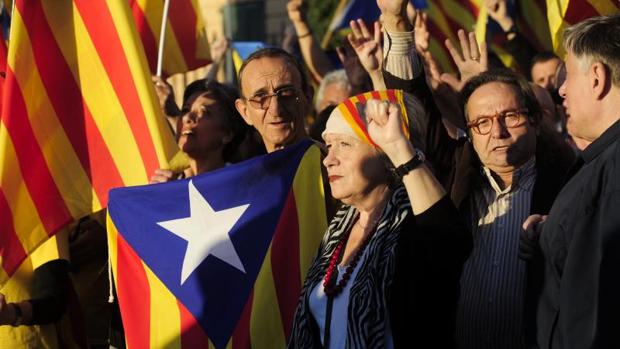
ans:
(408, 166)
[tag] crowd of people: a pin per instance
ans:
(470, 210)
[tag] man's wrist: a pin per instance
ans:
(398, 23)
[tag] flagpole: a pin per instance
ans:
(162, 37)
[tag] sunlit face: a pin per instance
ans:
(543, 73)
(333, 94)
(577, 99)
(503, 149)
(282, 122)
(354, 168)
(202, 129)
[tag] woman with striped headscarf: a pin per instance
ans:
(387, 271)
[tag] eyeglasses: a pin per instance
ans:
(510, 119)
(284, 95)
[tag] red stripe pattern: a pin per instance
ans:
(284, 262)
(11, 249)
(132, 284)
(98, 20)
(68, 103)
(36, 174)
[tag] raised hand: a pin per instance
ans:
(471, 60)
(368, 48)
(498, 10)
(219, 48)
(165, 95)
(386, 129)
(295, 11)
(422, 35)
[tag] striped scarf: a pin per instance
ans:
(368, 308)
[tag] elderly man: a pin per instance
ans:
(269, 73)
(507, 169)
(580, 239)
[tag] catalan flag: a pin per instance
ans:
(218, 260)
(79, 116)
(445, 18)
(185, 45)
(563, 13)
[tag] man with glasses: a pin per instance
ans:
(275, 97)
(516, 170)
(509, 167)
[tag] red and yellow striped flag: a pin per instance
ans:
(186, 46)
(79, 116)
(445, 18)
(208, 263)
(564, 13)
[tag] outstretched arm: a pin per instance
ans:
(315, 58)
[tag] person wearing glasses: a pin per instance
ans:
(275, 97)
(510, 166)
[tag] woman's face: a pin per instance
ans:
(354, 168)
(202, 129)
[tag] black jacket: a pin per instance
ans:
(457, 166)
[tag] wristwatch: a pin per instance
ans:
(18, 315)
(408, 166)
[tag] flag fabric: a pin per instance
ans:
(445, 18)
(241, 50)
(218, 260)
(564, 13)
(79, 116)
(185, 47)
(347, 11)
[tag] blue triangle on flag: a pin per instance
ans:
(216, 291)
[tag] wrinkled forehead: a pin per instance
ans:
(492, 98)
(269, 73)
(332, 137)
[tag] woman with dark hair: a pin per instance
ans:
(209, 129)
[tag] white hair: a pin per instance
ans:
(339, 77)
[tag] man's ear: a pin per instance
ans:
(600, 79)
(242, 108)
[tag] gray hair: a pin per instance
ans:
(596, 39)
(339, 77)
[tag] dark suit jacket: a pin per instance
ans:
(458, 168)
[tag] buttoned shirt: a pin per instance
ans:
(490, 313)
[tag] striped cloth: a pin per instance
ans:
(349, 117)
(79, 116)
(186, 46)
(244, 298)
(490, 312)
(445, 18)
(563, 13)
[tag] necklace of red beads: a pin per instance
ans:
(330, 288)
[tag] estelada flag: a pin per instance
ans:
(219, 259)
(79, 116)
(185, 44)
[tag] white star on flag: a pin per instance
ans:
(206, 233)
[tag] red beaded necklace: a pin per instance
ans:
(329, 288)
